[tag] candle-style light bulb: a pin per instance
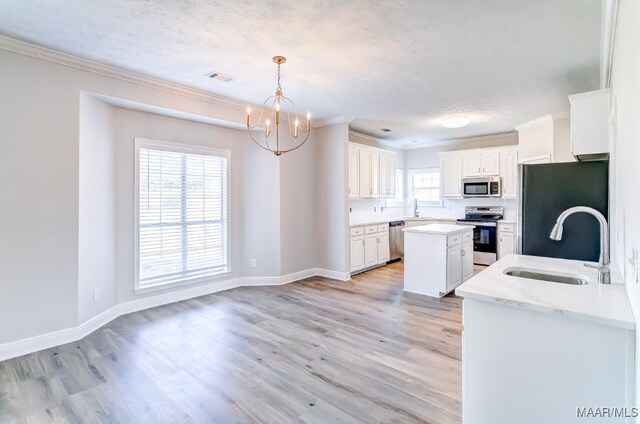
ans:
(277, 113)
(308, 121)
(248, 117)
(295, 130)
(267, 130)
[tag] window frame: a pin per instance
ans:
(145, 143)
(410, 193)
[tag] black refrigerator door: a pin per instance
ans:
(549, 189)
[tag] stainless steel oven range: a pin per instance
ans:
(485, 239)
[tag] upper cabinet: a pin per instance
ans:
(372, 172)
(450, 175)
(509, 172)
(477, 163)
(490, 162)
(354, 172)
(590, 114)
(366, 190)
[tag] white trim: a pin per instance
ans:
(38, 52)
(607, 38)
(341, 119)
(69, 335)
(541, 120)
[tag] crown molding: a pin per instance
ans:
(538, 121)
(341, 119)
(607, 38)
(54, 56)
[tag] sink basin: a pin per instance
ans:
(536, 274)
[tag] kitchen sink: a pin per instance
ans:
(536, 274)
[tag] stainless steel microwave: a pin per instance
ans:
(482, 187)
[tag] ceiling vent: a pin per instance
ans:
(220, 76)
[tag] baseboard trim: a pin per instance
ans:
(69, 335)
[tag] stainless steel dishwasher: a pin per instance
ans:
(396, 240)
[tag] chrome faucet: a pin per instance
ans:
(604, 275)
(416, 212)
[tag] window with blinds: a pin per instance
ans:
(182, 213)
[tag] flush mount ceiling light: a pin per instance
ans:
(270, 110)
(456, 122)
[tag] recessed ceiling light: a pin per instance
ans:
(456, 122)
(385, 129)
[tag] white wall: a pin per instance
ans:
(332, 232)
(66, 160)
(39, 125)
(97, 261)
(625, 84)
(299, 187)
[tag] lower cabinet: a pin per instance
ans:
(369, 246)
(435, 263)
(506, 239)
(356, 252)
(370, 250)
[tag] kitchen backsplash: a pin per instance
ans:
(367, 210)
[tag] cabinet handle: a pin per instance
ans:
(363, 242)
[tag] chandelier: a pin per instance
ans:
(271, 112)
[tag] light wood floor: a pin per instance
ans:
(315, 351)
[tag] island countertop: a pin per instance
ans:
(602, 303)
(447, 229)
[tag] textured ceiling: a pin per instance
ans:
(397, 64)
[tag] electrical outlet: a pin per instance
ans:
(96, 294)
(254, 263)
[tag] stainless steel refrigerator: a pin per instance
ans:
(548, 189)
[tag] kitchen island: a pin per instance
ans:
(437, 258)
(537, 351)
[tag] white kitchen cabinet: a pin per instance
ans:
(477, 163)
(472, 164)
(370, 250)
(509, 172)
(437, 258)
(454, 267)
(388, 176)
(451, 175)
(371, 172)
(369, 246)
(375, 174)
(590, 117)
(491, 163)
(356, 252)
(365, 163)
(354, 172)
(529, 366)
(383, 176)
(467, 252)
(506, 239)
(383, 248)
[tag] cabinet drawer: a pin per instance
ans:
(383, 228)
(467, 236)
(506, 228)
(369, 229)
(453, 240)
(356, 231)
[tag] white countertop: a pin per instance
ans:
(602, 303)
(446, 229)
(402, 218)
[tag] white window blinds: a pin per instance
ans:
(182, 213)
